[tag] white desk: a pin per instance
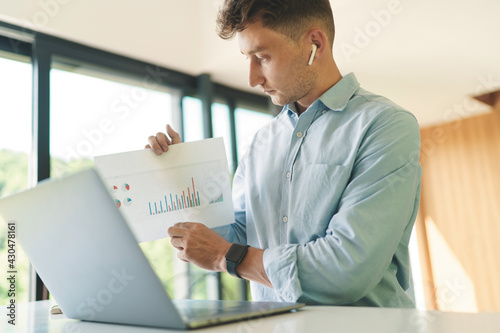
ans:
(34, 317)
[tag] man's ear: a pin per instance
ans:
(317, 37)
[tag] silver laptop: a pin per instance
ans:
(88, 258)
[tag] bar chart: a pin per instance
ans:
(189, 198)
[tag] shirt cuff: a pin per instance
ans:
(280, 264)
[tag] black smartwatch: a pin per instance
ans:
(234, 256)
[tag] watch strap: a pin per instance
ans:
(231, 268)
(230, 264)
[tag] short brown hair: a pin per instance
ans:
(291, 18)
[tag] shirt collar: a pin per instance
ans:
(335, 98)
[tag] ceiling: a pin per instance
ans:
(428, 56)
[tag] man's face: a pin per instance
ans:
(278, 65)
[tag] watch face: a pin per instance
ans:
(236, 251)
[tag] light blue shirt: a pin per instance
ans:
(332, 196)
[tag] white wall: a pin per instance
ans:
(427, 56)
(167, 32)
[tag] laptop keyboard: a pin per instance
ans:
(196, 309)
(198, 313)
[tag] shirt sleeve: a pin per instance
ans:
(236, 232)
(378, 204)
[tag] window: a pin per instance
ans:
(222, 128)
(15, 148)
(192, 119)
(248, 122)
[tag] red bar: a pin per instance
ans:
(194, 191)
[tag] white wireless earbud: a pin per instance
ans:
(313, 53)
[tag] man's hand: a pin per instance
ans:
(205, 248)
(160, 142)
(199, 245)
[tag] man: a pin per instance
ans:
(328, 192)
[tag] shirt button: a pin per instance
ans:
(288, 174)
(324, 111)
(285, 219)
(299, 134)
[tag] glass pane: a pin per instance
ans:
(15, 147)
(221, 128)
(248, 122)
(92, 116)
(192, 119)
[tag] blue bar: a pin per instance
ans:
(166, 205)
(198, 193)
(156, 208)
(177, 201)
(150, 212)
(194, 201)
(161, 207)
(171, 201)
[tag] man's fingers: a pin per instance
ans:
(177, 243)
(159, 143)
(176, 231)
(187, 225)
(153, 144)
(163, 141)
(183, 225)
(176, 138)
(181, 257)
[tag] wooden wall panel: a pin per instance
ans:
(461, 198)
